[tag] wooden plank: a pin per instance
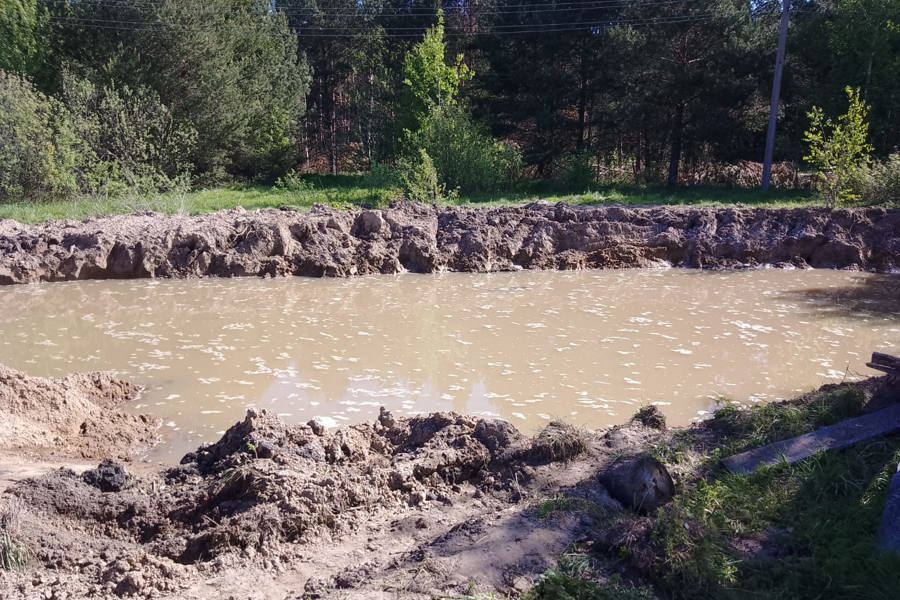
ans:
(840, 435)
(886, 359)
(884, 362)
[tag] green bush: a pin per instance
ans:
(880, 182)
(129, 138)
(839, 149)
(464, 155)
(419, 178)
(38, 149)
(577, 172)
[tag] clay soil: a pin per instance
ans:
(424, 239)
(423, 507)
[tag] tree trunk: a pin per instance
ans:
(675, 156)
(582, 104)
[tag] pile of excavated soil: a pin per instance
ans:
(424, 239)
(78, 416)
(401, 508)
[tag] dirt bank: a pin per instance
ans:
(435, 506)
(79, 416)
(404, 508)
(421, 238)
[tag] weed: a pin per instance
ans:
(13, 554)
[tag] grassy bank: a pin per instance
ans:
(358, 190)
(806, 530)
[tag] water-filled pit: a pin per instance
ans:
(589, 347)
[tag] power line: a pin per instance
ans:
(587, 23)
(593, 28)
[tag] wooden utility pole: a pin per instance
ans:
(776, 91)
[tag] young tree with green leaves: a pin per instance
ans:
(22, 49)
(839, 150)
(429, 81)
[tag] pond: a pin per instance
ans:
(588, 347)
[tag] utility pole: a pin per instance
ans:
(776, 91)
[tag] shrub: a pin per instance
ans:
(465, 156)
(129, 137)
(292, 181)
(838, 149)
(419, 178)
(381, 175)
(577, 172)
(880, 182)
(38, 149)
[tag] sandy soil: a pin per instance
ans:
(424, 239)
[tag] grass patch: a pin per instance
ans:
(13, 554)
(802, 531)
(574, 579)
(825, 513)
(349, 190)
(741, 428)
(570, 504)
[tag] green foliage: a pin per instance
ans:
(839, 150)
(129, 138)
(577, 171)
(381, 176)
(292, 181)
(234, 75)
(464, 155)
(22, 50)
(428, 81)
(38, 149)
(419, 179)
(880, 181)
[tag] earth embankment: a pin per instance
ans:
(425, 239)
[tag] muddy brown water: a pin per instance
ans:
(589, 347)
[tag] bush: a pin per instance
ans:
(880, 182)
(419, 179)
(838, 149)
(38, 149)
(129, 138)
(577, 172)
(464, 155)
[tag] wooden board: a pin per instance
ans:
(841, 435)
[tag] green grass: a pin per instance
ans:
(802, 531)
(813, 524)
(574, 579)
(359, 190)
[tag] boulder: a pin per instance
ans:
(641, 483)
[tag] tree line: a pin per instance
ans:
(143, 92)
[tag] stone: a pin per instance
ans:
(641, 483)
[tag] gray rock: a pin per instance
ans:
(641, 483)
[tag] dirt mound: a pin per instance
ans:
(77, 416)
(274, 492)
(421, 238)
